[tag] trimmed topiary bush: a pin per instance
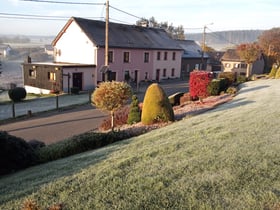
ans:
(277, 75)
(273, 72)
(214, 87)
(17, 94)
(134, 115)
(156, 106)
(15, 153)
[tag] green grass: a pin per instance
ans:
(227, 158)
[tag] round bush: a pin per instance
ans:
(17, 94)
(15, 153)
(156, 106)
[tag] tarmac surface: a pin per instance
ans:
(53, 119)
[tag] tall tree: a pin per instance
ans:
(269, 42)
(249, 52)
(175, 32)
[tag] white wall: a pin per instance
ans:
(74, 47)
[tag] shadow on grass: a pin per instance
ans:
(23, 183)
(242, 90)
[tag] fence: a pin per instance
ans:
(27, 107)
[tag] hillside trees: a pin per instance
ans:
(173, 31)
(269, 42)
(110, 96)
(250, 53)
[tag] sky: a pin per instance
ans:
(193, 15)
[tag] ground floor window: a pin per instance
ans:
(172, 72)
(52, 76)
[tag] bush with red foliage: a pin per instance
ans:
(120, 118)
(199, 80)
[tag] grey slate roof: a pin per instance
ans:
(191, 49)
(126, 36)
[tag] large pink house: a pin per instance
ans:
(135, 53)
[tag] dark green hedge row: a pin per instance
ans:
(16, 153)
(78, 144)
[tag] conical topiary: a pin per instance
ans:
(134, 115)
(156, 106)
(273, 72)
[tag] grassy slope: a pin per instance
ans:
(227, 158)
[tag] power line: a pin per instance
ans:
(35, 17)
(64, 2)
(125, 12)
(219, 36)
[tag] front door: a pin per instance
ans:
(157, 75)
(78, 80)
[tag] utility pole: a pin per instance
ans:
(203, 45)
(203, 48)
(107, 41)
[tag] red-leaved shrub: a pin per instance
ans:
(199, 80)
(120, 118)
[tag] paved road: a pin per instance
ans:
(54, 126)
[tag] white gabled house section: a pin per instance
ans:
(74, 46)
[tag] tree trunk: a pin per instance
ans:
(112, 120)
(249, 70)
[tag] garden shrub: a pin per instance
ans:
(15, 153)
(241, 79)
(120, 118)
(277, 74)
(229, 76)
(232, 90)
(199, 80)
(17, 94)
(78, 144)
(273, 72)
(156, 106)
(214, 87)
(175, 98)
(134, 115)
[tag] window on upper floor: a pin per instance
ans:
(227, 65)
(165, 56)
(158, 55)
(146, 57)
(126, 57)
(110, 57)
(174, 56)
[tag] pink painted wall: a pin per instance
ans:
(136, 62)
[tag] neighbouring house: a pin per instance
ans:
(5, 50)
(231, 62)
(192, 57)
(136, 53)
(49, 49)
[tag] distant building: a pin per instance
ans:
(192, 57)
(49, 49)
(136, 53)
(232, 62)
(5, 50)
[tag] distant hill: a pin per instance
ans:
(223, 39)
